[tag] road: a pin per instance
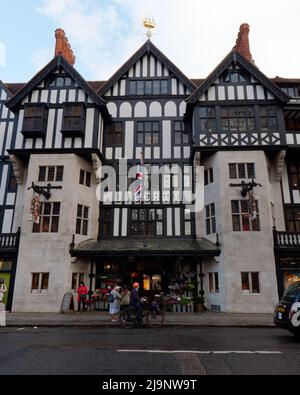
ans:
(166, 351)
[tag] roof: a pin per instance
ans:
(141, 247)
(58, 61)
(148, 47)
(281, 80)
(236, 57)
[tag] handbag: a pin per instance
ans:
(82, 297)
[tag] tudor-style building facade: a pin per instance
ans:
(203, 137)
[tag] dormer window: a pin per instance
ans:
(35, 120)
(73, 120)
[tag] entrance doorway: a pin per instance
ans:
(151, 273)
(5, 275)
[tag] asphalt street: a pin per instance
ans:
(166, 351)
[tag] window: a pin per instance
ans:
(237, 119)
(12, 182)
(35, 120)
(76, 280)
(235, 77)
(60, 81)
(73, 119)
(39, 283)
(241, 218)
(208, 176)
(85, 178)
(147, 222)
(214, 283)
(49, 218)
(292, 125)
(107, 216)
(294, 175)
(292, 217)
(148, 87)
(250, 282)
(291, 91)
(187, 222)
(182, 132)
(51, 173)
(268, 118)
(148, 133)
(241, 170)
(208, 119)
(82, 220)
(210, 219)
(114, 133)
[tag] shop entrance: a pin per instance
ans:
(150, 273)
(5, 276)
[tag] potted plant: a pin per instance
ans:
(199, 302)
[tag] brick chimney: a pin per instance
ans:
(63, 47)
(242, 43)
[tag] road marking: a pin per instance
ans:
(20, 329)
(199, 352)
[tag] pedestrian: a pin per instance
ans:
(125, 298)
(136, 303)
(114, 303)
(3, 289)
(82, 292)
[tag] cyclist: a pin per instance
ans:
(136, 303)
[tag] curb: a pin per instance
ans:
(166, 325)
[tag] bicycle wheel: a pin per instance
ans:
(155, 319)
(128, 319)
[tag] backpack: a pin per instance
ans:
(111, 298)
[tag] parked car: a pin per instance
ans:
(287, 312)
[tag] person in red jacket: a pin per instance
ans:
(82, 292)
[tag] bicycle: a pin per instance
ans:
(152, 313)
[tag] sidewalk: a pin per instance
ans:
(97, 319)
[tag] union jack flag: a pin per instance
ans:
(139, 180)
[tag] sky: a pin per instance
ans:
(195, 34)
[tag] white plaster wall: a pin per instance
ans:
(49, 252)
(242, 251)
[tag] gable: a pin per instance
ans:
(4, 92)
(57, 83)
(148, 71)
(248, 83)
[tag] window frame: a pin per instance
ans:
(83, 220)
(236, 169)
(39, 228)
(210, 219)
(140, 232)
(213, 283)
(72, 131)
(250, 289)
(145, 132)
(40, 277)
(46, 178)
(32, 132)
(242, 215)
(141, 83)
(118, 136)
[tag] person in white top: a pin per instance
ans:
(3, 289)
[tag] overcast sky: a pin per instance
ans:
(195, 34)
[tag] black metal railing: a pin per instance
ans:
(286, 239)
(9, 241)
